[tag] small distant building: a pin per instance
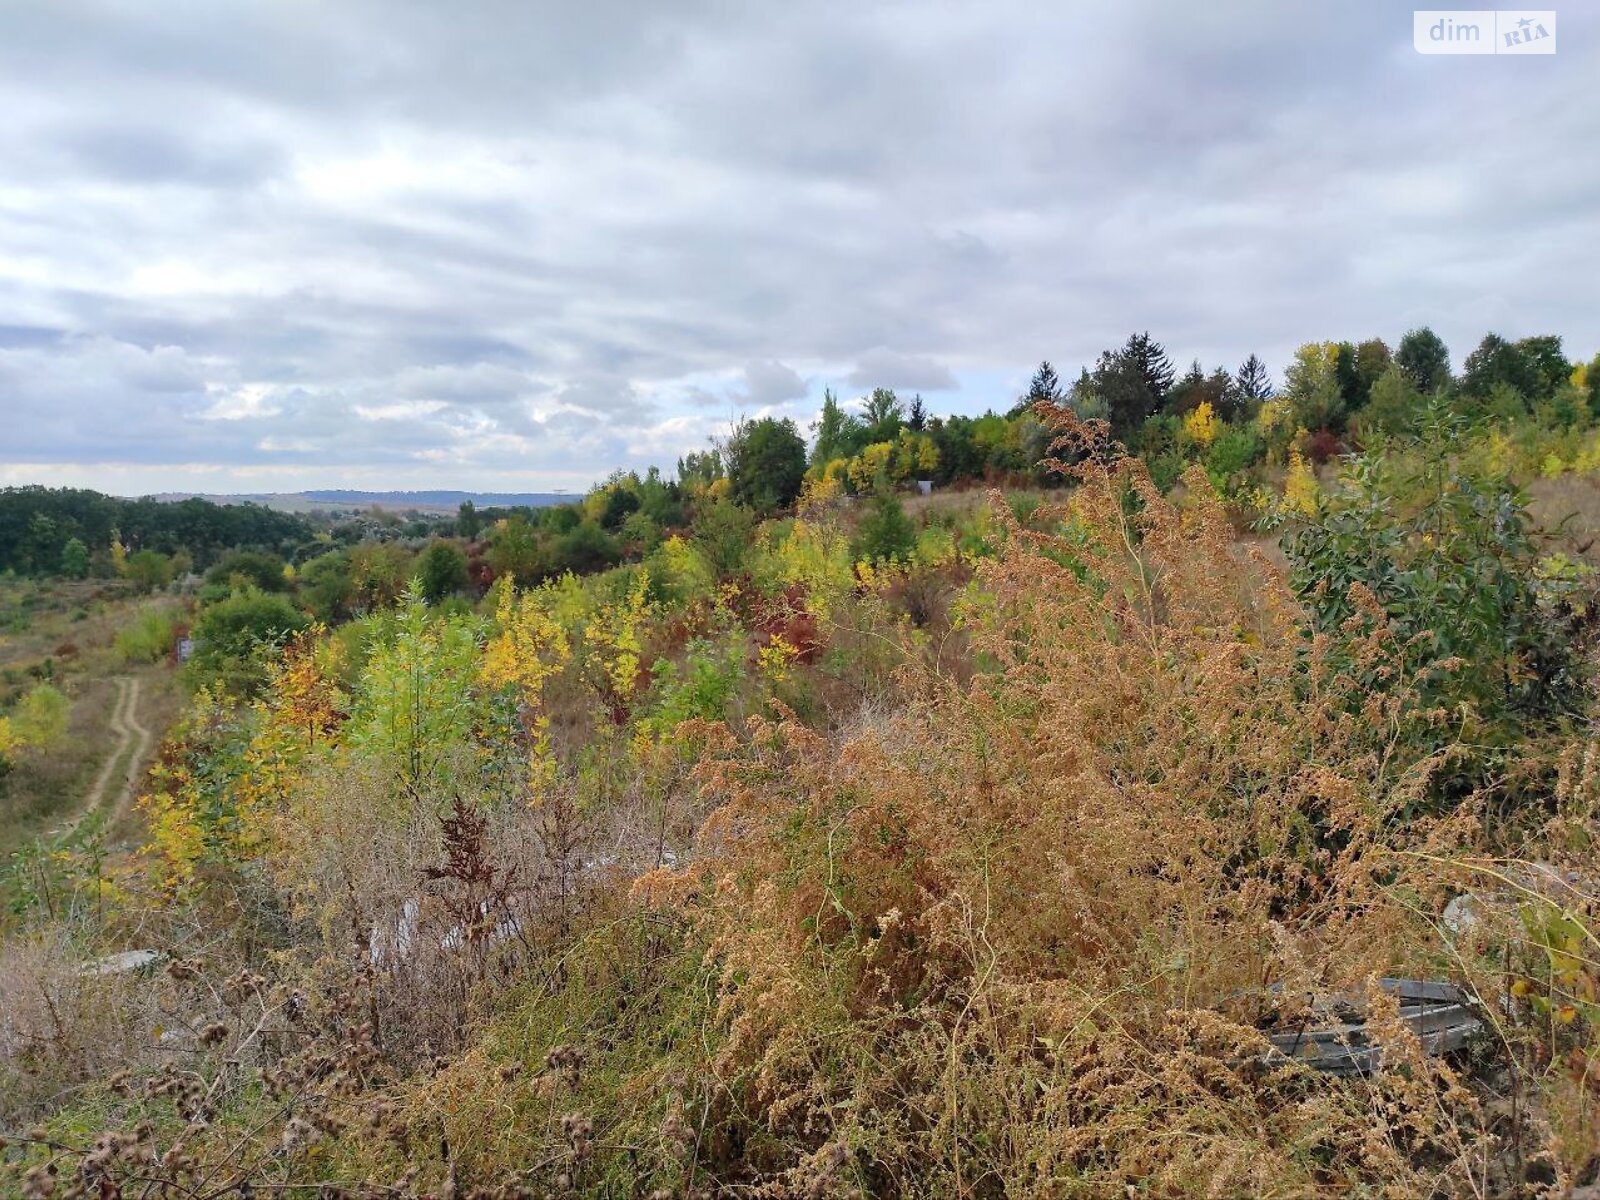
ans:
(185, 649)
(925, 487)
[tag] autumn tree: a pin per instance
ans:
(1311, 386)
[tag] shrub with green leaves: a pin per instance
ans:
(886, 533)
(232, 635)
(1447, 558)
(149, 637)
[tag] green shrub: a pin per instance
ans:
(231, 635)
(149, 637)
(441, 571)
(887, 533)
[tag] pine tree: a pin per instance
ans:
(1154, 365)
(1133, 382)
(1252, 380)
(917, 420)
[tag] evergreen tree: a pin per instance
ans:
(917, 419)
(1133, 382)
(1043, 388)
(1188, 391)
(1253, 381)
(886, 532)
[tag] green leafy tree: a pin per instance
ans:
(883, 415)
(516, 550)
(1545, 366)
(380, 571)
(75, 559)
(722, 534)
(766, 463)
(1229, 458)
(1394, 407)
(413, 704)
(1311, 386)
(1372, 359)
(247, 568)
(441, 571)
(148, 570)
(584, 548)
(468, 522)
(327, 588)
(1448, 555)
(233, 636)
(620, 503)
(1494, 361)
(1423, 356)
(1535, 366)
(839, 434)
(698, 470)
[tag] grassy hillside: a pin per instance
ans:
(961, 846)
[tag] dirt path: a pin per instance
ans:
(133, 744)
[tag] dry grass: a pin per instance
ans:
(1566, 510)
(1010, 927)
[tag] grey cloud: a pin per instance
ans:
(771, 383)
(564, 238)
(137, 155)
(885, 368)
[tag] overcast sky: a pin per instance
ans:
(516, 245)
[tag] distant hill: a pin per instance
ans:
(342, 498)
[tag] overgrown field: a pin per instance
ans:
(67, 670)
(970, 850)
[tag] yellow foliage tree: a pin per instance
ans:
(528, 650)
(614, 631)
(1202, 424)
(1300, 491)
(873, 462)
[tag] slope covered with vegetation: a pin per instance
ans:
(760, 832)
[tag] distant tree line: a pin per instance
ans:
(72, 531)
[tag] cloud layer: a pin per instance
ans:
(520, 244)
